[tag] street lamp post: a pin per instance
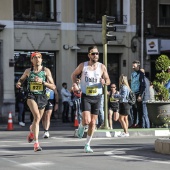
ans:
(142, 31)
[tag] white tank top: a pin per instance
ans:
(90, 80)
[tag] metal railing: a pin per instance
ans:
(164, 21)
(36, 16)
(120, 19)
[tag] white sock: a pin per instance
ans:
(36, 141)
(89, 138)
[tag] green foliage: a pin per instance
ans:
(162, 64)
(166, 118)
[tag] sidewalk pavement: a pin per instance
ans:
(57, 125)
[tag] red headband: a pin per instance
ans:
(35, 53)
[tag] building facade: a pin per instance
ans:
(62, 30)
(156, 31)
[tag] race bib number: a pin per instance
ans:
(112, 99)
(34, 87)
(91, 91)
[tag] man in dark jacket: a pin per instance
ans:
(145, 98)
(138, 87)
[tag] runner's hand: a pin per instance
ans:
(18, 85)
(102, 81)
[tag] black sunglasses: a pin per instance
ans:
(95, 53)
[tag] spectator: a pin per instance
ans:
(113, 105)
(145, 98)
(152, 92)
(20, 99)
(138, 87)
(124, 107)
(66, 98)
(100, 120)
(76, 101)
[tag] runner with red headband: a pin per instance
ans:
(38, 78)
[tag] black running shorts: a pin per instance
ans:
(40, 99)
(91, 103)
(50, 105)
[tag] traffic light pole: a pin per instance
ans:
(105, 62)
(105, 90)
(107, 35)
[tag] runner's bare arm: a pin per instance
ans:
(56, 95)
(56, 99)
(105, 75)
(76, 72)
(50, 82)
(23, 78)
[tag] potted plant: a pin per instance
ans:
(159, 109)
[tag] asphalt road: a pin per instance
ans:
(63, 151)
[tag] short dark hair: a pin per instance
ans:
(64, 84)
(136, 62)
(92, 47)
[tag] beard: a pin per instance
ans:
(94, 60)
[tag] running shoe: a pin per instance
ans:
(86, 129)
(123, 134)
(21, 123)
(80, 131)
(87, 149)
(37, 147)
(46, 134)
(30, 137)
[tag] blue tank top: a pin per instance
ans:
(50, 93)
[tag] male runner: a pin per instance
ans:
(37, 77)
(52, 96)
(93, 76)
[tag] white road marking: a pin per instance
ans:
(117, 153)
(37, 164)
(10, 141)
(17, 163)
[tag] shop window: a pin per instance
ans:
(35, 10)
(91, 11)
(22, 62)
(164, 14)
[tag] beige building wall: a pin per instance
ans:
(67, 58)
(7, 38)
(52, 36)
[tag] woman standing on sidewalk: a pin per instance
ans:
(124, 107)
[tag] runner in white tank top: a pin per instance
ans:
(94, 75)
(90, 80)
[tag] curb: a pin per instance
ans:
(162, 145)
(132, 133)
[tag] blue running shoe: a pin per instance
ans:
(80, 131)
(87, 149)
